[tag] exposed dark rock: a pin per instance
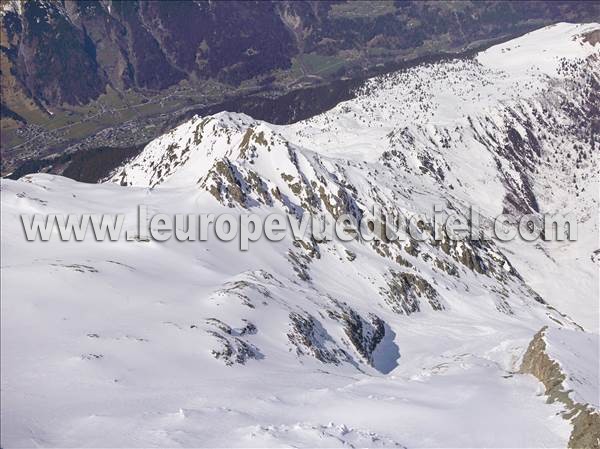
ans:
(308, 337)
(234, 350)
(585, 420)
(364, 334)
(405, 291)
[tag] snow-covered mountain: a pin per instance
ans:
(311, 343)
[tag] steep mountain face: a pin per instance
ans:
(148, 45)
(153, 45)
(41, 41)
(309, 342)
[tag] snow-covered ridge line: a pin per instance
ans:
(451, 121)
(508, 131)
(557, 356)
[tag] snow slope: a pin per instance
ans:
(570, 349)
(407, 344)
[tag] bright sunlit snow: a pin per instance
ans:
(307, 344)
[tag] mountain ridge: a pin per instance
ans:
(312, 343)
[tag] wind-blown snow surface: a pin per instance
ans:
(411, 344)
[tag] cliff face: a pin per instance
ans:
(584, 417)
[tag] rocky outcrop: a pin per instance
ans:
(405, 290)
(233, 350)
(364, 334)
(308, 337)
(585, 419)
